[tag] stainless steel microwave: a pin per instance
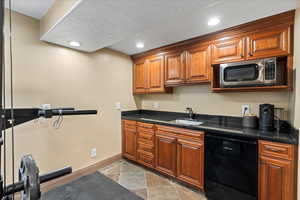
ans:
(262, 72)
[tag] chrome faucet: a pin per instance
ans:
(190, 112)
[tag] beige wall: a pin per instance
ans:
(59, 9)
(59, 76)
(203, 101)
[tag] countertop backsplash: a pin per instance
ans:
(202, 100)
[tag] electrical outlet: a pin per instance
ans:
(187, 106)
(245, 109)
(155, 105)
(93, 152)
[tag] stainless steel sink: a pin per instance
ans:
(188, 122)
(154, 120)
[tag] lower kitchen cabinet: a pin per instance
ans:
(190, 162)
(275, 179)
(145, 144)
(179, 153)
(176, 152)
(166, 154)
(129, 140)
(277, 171)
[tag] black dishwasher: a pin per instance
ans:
(231, 168)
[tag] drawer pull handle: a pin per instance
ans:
(146, 137)
(228, 148)
(275, 150)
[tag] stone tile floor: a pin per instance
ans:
(147, 184)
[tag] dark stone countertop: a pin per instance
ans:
(224, 125)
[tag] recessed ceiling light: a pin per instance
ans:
(75, 43)
(140, 45)
(213, 21)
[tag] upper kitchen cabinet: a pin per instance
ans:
(198, 64)
(261, 44)
(197, 60)
(268, 43)
(228, 50)
(140, 77)
(188, 66)
(149, 76)
(156, 74)
(175, 68)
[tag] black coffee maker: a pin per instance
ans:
(266, 117)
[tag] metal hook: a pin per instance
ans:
(58, 122)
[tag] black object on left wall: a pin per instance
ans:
(29, 179)
(23, 115)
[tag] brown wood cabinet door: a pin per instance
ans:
(198, 64)
(140, 77)
(275, 179)
(268, 44)
(155, 69)
(230, 50)
(190, 162)
(129, 144)
(166, 154)
(175, 68)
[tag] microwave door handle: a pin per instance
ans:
(261, 74)
(222, 78)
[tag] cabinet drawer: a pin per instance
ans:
(145, 147)
(145, 125)
(129, 125)
(277, 150)
(130, 128)
(145, 130)
(181, 133)
(145, 158)
(145, 136)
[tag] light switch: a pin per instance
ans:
(93, 153)
(118, 106)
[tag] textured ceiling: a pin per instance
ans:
(32, 8)
(120, 24)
